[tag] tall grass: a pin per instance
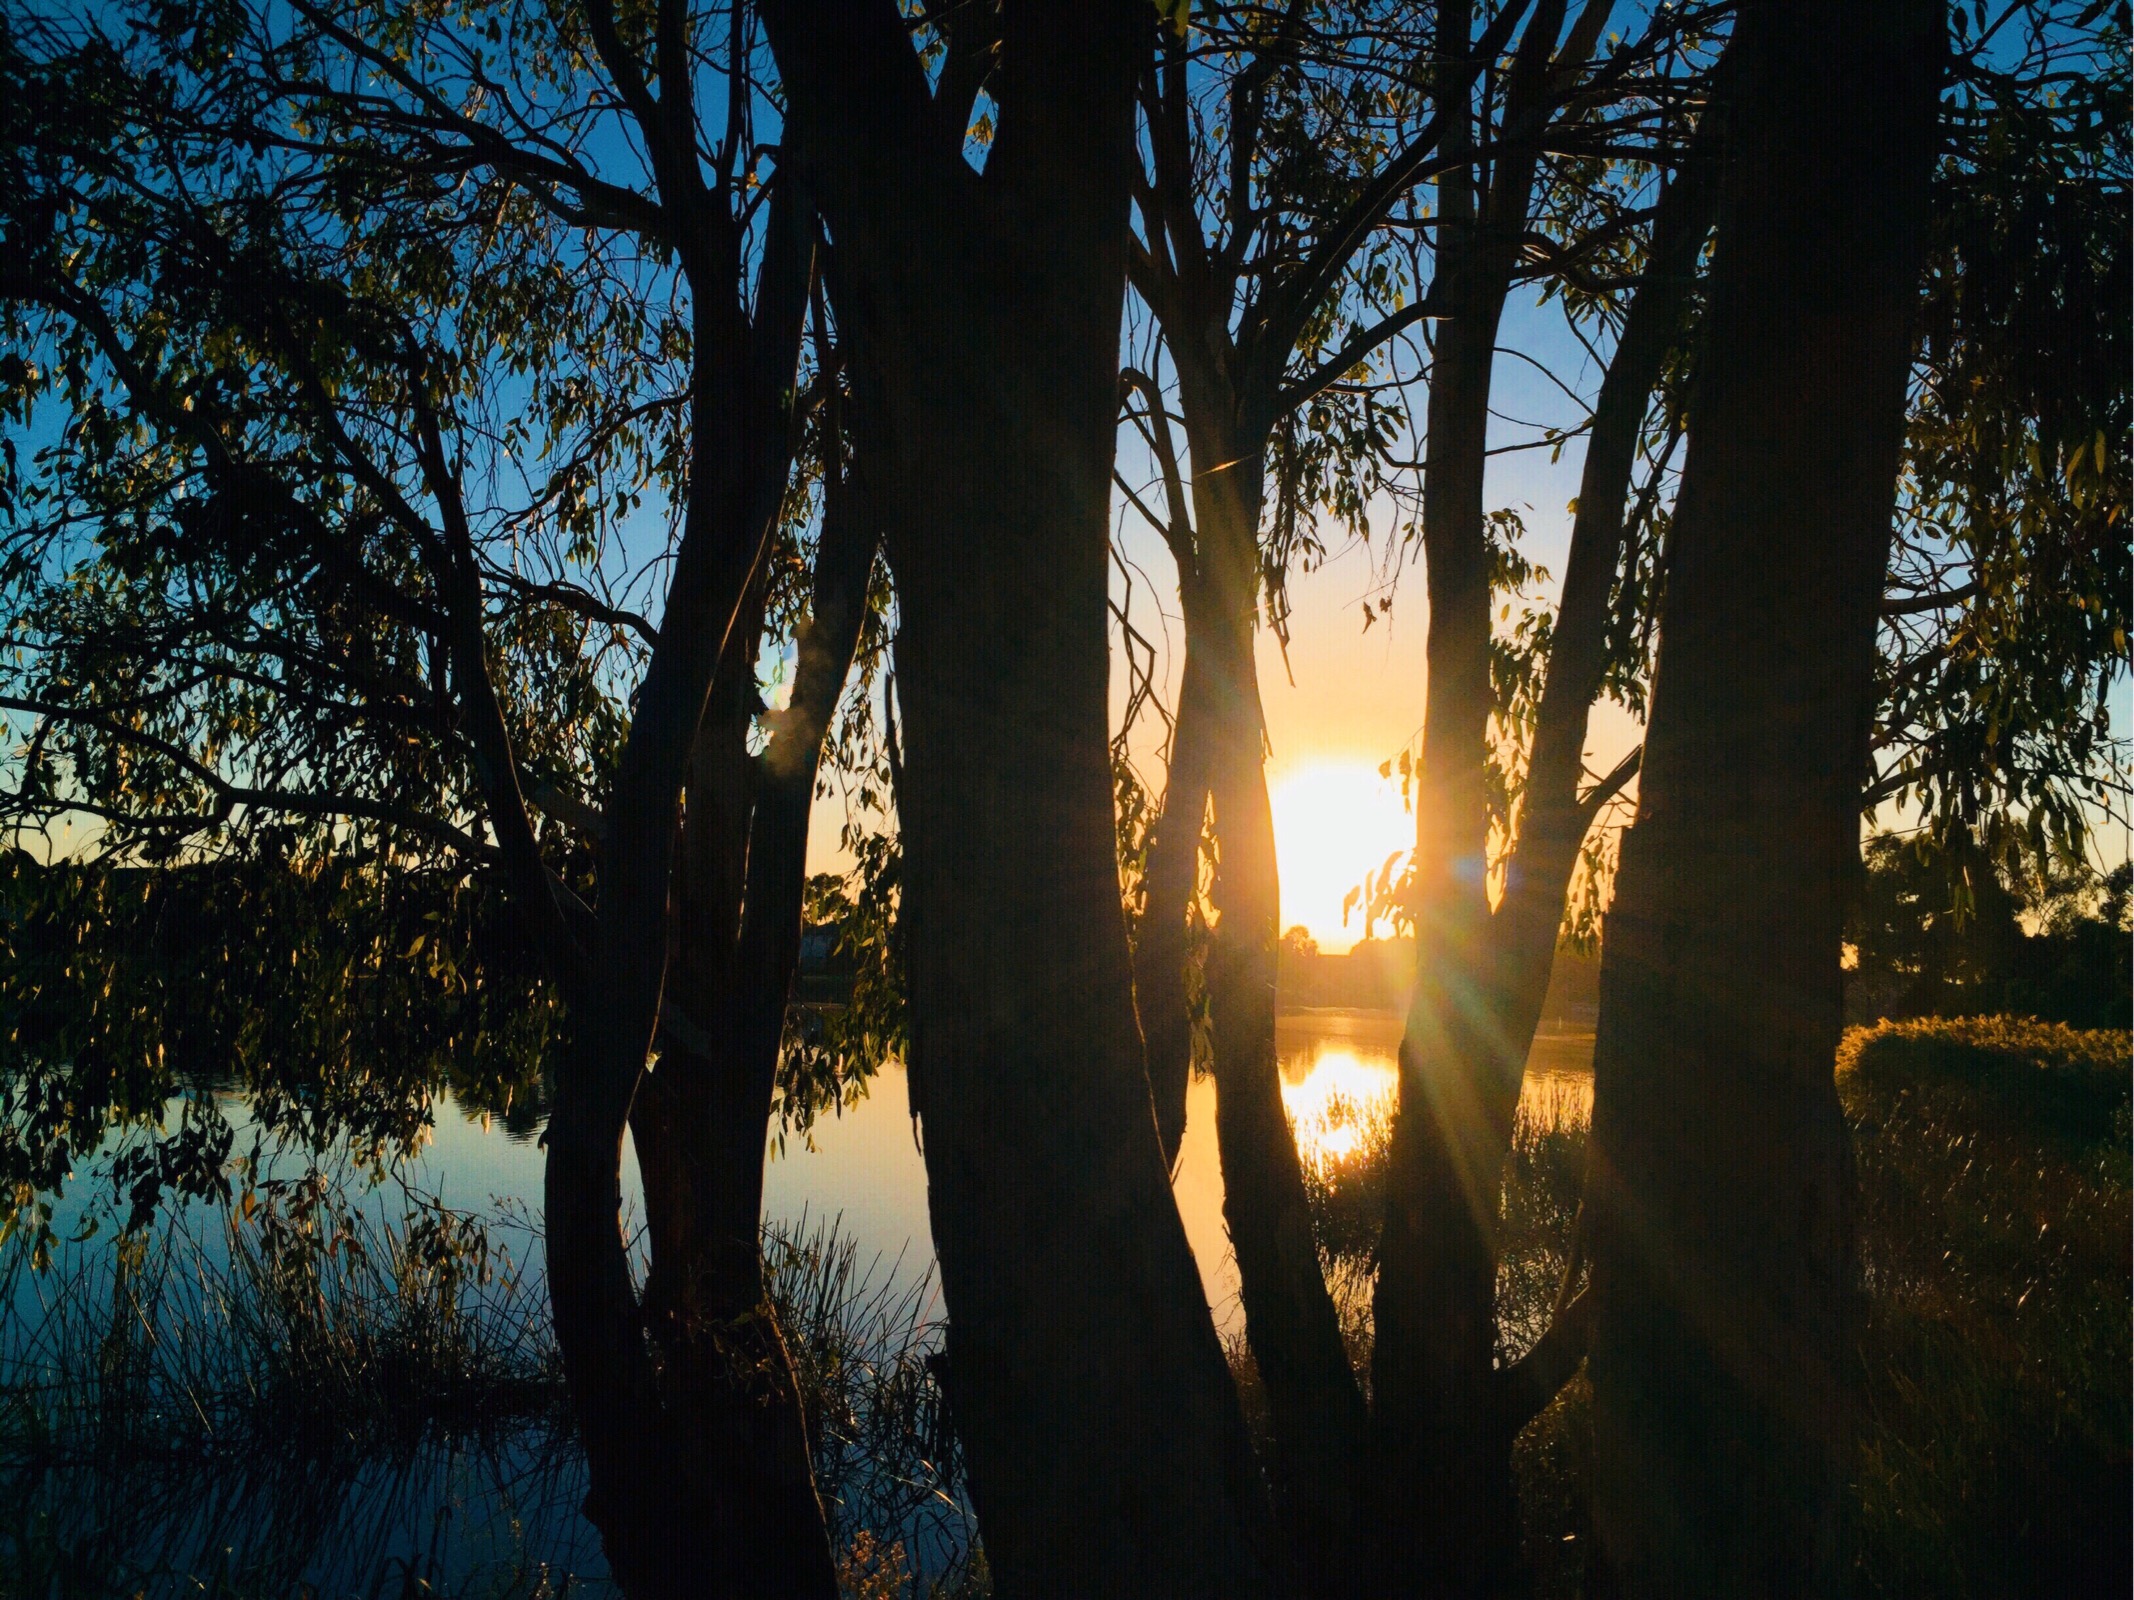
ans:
(306, 1395)
(1992, 1342)
(1994, 1350)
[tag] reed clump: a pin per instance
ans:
(316, 1392)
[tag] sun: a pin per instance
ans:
(1334, 822)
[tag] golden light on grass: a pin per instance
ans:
(1334, 822)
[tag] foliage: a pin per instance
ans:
(347, 453)
(2008, 620)
(300, 407)
(830, 1053)
(335, 996)
(1939, 927)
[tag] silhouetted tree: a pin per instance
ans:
(368, 361)
(1282, 252)
(980, 290)
(1717, 1197)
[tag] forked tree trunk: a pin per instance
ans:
(1481, 991)
(1718, 1186)
(659, 1486)
(1106, 1447)
(699, 1120)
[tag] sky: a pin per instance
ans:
(1346, 699)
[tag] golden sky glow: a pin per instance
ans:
(1334, 821)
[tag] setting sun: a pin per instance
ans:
(1334, 822)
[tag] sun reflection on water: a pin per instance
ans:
(1333, 1095)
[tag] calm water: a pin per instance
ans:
(864, 1167)
(468, 1505)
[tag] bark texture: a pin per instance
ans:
(1446, 1503)
(1717, 1191)
(691, 1495)
(1106, 1447)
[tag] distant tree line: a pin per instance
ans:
(1956, 928)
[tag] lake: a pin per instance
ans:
(508, 1504)
(865, 1169)
(864, 1166)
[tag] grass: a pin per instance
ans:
(1992, 1348)
(1994, 1351)
(306, 1399)
(303, 1397)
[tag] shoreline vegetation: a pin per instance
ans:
(343, 1403)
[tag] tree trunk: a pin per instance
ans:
(699, 1121)
(1106, 1448)
(1499, 979)
(1291, 1324)
(1163, 937)
(1448, 1517)
(1444, 1513)
(1718, 1185)
(655, 1478)
(1554, 817)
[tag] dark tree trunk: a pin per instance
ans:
(1441, 1419)
(1555, 816)
(1481, 991)
(1163, 944)
(1718, 1187)
(1315, 1406)
(1443, 1510)
(699, 1120)
(659, 1481)
(1106, 1448)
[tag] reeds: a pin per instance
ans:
(1992, 1345)
(317, 1393)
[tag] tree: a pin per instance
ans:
(1717, 1208)
(316, 292)
(1286, 152)
(982, 307)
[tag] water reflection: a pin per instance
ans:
(1339, 1071)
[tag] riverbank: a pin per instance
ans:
(374, 1410)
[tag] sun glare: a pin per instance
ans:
(1328, 1106)
(1334, 822)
